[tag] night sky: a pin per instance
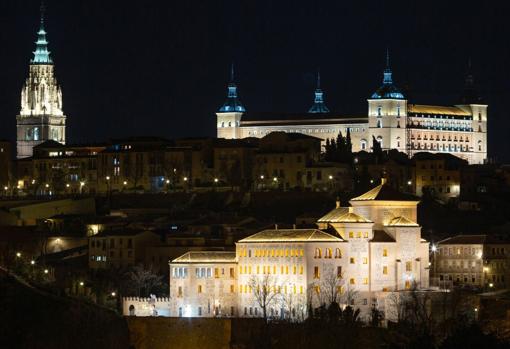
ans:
(161, 67)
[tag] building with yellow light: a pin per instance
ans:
(460, 130)
(358, 255)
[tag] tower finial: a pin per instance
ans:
(232, 72)
(42, 10)
(387, 57)
(318, 78)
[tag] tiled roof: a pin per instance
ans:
(402, 222)
(384, 192)
(291, 235)
(206, 257)
(333, 215)
(472, 240)
(381, 236)
(434, 109)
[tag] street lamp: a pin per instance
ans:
(261, 176)
(275, 179)
(18, 254)
(81, 283)
(113, 294)
(330, 177)
(125, 182)
(32, 262)
(434, 248)
(107, 178)
(185, 179)
(215, 180)
(409, 182)
(47, 185)
(46, 271)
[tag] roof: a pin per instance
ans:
(382, 236)
(122, 232)
(434, 109)
(402, 222)
(206, 257)
(384, 192)
(291, 235)
(472, 240)
(387, 90)
(50, 144)
(342, 215)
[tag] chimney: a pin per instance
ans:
(337, 202)
(276, 226)
(294, 226)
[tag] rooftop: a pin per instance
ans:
(402, 222)
(434, 109)
(206, 257)
(381, 236)
(291, 235)
(384, 192)
(473, 240)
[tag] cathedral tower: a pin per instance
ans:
(318, 107)
(41, 117)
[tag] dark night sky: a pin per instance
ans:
(161, 67)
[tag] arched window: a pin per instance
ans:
(223, 124)
(479, 145)
(132, 310)
(229, 124)
(398, 142)
(398, 110)
(379, 139)
(36, 133)
(338, 253)
(479, 116)
(379, 111)
(363, 144)
(479, 128)
(329, 253)
(318, 253)
(379, 123)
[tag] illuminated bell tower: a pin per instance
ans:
(41, 117)
(229, 115)
(387, 114)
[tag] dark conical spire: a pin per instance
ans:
(41, 53)
(470, 93)
(318, 105)
(387, 72)
(232, 104)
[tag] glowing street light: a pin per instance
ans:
(81, 283)
(261, 176)
(46, 271)
(167, 181)
(409, 182)
(215, 180)
(47, 185)
(275, 179)
(68, 185)
(486, 269)
(125, 182)
(113, 294)
(32, 262)
(371, 181)
(5, 188)
(82, 184)
(491, 285)
(107, 178)
(18, 254)
(185, 179)
(434, 248)
(330, 177)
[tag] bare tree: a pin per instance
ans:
(265, 291)
(294, 306)
(144, 281)
(331, 283)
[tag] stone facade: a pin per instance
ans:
(41, 117)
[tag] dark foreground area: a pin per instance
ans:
(33, 318)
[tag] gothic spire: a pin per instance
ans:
(41, 53)
(470, 94)
(387, 72)
(388, 90)
(232, 104)
(318, 105)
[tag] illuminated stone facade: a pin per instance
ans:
(41, 117)
(460, 130)
(358, 255)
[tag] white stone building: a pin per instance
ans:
(460, 130)
(358, 255)
(41, 117)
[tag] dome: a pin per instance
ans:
(388, 90)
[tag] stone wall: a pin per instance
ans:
(185, 333)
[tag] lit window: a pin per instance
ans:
(199, 288)
(352, 260)
(316, 273)
(318, 253)
(232, 288)
(385, 270)
(365, 260)
(385, 252)
(338, 253)
(365, 281)
(352, 281)
(351, 235)
(409, 266)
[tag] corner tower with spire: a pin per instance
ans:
(41, 117)
(319, 107)
(387, 113)
(229, 115)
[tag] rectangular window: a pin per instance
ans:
(409, 266)
(199, 288)
(216, 273)
(365, 281)
(179, 291)
(385, 252)
(352, 281)
(232, 272)
(352, 260)
(232, 289)
(316, 273)
(351, 235)
(365, 260)
(301, 270)
(339, 272)
(385, 270)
